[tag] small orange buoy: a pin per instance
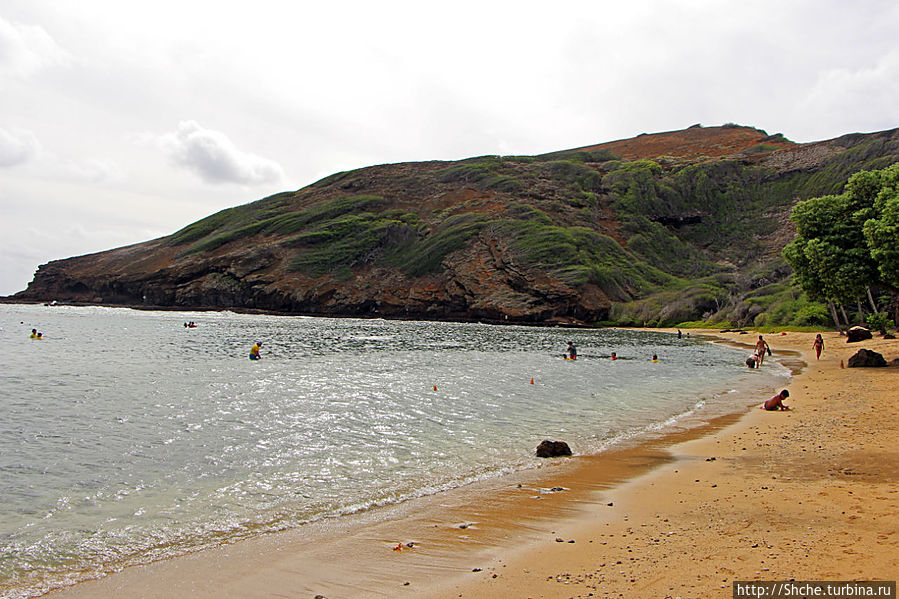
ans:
(399, 547)
(532, 381)
(841, 364)
(435, 387)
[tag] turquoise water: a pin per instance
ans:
(126, 437)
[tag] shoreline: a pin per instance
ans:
(808, 494)
(484, 539)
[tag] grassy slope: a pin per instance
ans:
(668, 240)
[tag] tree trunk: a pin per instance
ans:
(861, 313)
(871, 299)
(836, 317)
(845, 316)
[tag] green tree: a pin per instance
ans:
(882, 231)
(831, 255)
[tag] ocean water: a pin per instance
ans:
(126, 437)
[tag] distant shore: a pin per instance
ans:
(563, 322)
(808, 494)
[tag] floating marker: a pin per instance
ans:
(532, 380)
(841, 364)
(435, 387)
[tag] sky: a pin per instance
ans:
(122, 122)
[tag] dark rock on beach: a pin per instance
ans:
(857, 334)
(552, 449)
(865, 358)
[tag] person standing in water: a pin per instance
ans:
(760, 346)
(818, 346)
(254, 351)
(572, 351)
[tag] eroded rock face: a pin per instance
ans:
(552, 449)
(865, 358)
(474, 285)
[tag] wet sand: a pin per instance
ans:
(809, 494)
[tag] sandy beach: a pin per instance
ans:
(805, 494)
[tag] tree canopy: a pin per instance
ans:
(847, 243)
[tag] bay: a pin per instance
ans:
(126, 437)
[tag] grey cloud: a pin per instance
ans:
(17, 147)
(215, 158)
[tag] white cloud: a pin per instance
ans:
(92, 171)
(215, 158)
(298, 91)
(857, 98)
(25, 49)
(17, 147)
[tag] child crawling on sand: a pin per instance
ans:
(777, 402)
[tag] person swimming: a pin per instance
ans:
(34, 333)
(614, 356)
(254, 351)
(655, 358)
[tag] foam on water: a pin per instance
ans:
(126, 437)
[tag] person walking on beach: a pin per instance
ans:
(760, 347)
(777, 402)
(818, 346)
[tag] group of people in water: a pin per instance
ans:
(571, 354)
(35, 334)
(755, 360)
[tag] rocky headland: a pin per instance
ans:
(663, 227)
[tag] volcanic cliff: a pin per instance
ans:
(666, 227)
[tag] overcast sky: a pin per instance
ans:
(125, 121)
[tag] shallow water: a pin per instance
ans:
(126, 437)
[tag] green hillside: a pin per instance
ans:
(661, 240)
